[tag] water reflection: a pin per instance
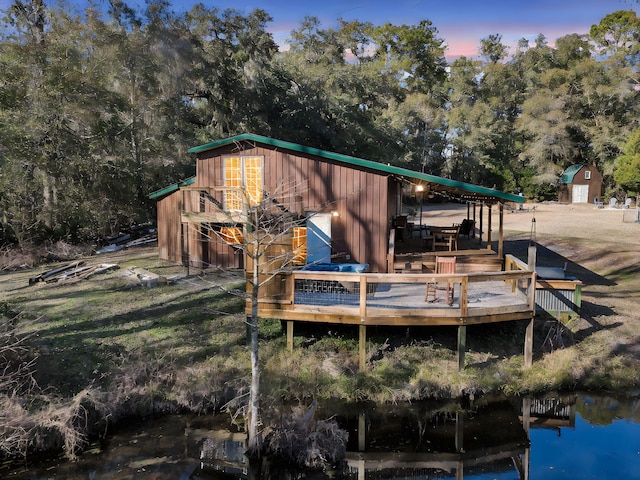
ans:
(449, 441)
(492, 438)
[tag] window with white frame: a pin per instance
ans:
(587, 174)
(242, 181)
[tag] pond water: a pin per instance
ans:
(573, 436)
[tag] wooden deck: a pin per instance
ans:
(482, 293)
(399, 299)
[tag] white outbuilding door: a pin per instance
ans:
(580, 194)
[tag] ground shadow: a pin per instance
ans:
(589, 312)
(548, 258)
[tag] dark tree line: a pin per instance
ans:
(98, 107)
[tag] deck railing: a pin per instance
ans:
(369, 299)
(381, 298)
(560, 298)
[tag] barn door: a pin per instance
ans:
(319, 238)
(580, 194)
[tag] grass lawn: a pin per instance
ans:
(106, 348)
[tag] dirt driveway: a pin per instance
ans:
(599, 248)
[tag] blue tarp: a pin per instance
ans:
(337, 267)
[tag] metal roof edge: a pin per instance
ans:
(227, 141)
(370, 164)
(171, 188)
(570, 172)
(469, 187)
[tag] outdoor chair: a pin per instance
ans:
(467, 227)
(401, 227)
(444, 265)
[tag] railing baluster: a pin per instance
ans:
(363, 297)
(464, 297)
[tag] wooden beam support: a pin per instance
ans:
(412, 318)
(362, 347)
(480, 229)
(362, 431)
(501, 231)
(290, 336)
(474, 220)
(526, 414)
(462, 345)
(528, 345)
(459, 434)
(489, 239)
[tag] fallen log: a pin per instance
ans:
(42, 277)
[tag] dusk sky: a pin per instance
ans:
(461, 23)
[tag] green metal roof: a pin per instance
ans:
(171, 188)
(569, 173)
(465, 190)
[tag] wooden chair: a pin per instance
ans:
(444, 265)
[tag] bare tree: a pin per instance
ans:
(263, 226)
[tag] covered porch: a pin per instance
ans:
(480, 290)
(464, 230)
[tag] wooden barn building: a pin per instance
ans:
(352, 203)
(580, 184)
(352, 222)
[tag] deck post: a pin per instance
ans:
(464, 296)
(290, 336)
(362, 347)
(481, 232)
(474, 220)
(391, 253)
(489, 227)
(528, 345)
(459, 444)
(362, 429)
(526, 414)
(363, 298)
(459, 434)
(462, 345)
(290, 286)
(501, 231)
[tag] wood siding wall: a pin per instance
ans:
(360, 197)
(190, 243)
(169, 233)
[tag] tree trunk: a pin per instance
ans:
(255, 438)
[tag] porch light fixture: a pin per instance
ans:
(420, 192)
(335, 213)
